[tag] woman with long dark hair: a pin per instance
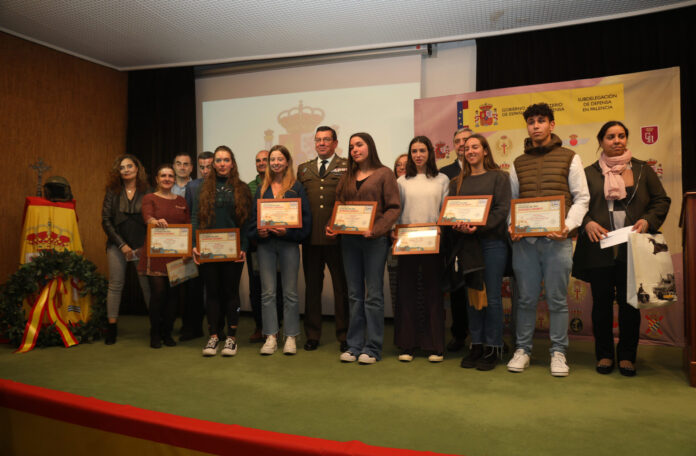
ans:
(364, 256)
(224, 201)
(624, 191)
(420, 323)
(160, 209)
(125, 230)
(278, 250)
(480, 175)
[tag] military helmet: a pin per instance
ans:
(57, 189)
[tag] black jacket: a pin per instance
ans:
(116, 210)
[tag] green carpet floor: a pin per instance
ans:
(420, 406)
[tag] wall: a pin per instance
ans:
(72, 114)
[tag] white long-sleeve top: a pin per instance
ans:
(422, 197)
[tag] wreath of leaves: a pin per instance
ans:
(32, 277)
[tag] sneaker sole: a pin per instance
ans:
(289, 353)
(516, 369)
(559, 374)
(228, 354)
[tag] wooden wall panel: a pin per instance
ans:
(72, 114)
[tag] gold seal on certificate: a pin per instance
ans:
(465, 209)
(279, 213)
(218, 245)
(353, 217)
(173, 241)
(181, 270)
(416, 239)
(537, 216)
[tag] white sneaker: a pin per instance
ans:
(559, 366)
(270, 346)
(519, 361)
(290, 347)
(366, 359)
(348, 357)
(211, 347)
(435, 358)
(405, 357)
(230, 348)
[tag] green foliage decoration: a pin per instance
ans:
(30, 279)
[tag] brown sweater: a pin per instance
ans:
(381, 187)
(174, 211)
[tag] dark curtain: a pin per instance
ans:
(629, 45)
(161, 115)
(161, 125)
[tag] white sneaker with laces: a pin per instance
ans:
(270, 346)
(366, 359)
(230, 348)
(348, 357)
(211, 347)
(519, 361)
(559, 365)
(290, 347)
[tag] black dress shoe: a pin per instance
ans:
(627, 371)
(155, 342)
(168, 341)
(344, 346)
(311, 344)
(605, 369)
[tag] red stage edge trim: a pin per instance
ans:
(191, 433)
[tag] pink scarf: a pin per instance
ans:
(612, 167)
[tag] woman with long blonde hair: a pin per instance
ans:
(278, 250)
(224, 201)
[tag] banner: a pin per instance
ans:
(647, 103)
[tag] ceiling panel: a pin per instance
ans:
(130, 34)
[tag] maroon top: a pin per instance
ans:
(173, 211)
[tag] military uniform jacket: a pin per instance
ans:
(322, 194)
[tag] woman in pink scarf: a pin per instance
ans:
(624, 191)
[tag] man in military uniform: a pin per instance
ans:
(320, 177)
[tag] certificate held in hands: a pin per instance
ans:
(218, 244)
(472, 210)
(353, 217)
(416, 239)
(173, 241)
(538, 216)
(279, 213)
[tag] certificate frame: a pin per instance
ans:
(282, 206)
(156, 237)
(342, 214)
(212, 236)
(556, 204)
(180, 270)
(398, 248)
(479, 201)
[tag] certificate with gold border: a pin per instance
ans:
(353, 217)
(218, 244)
(279, 213)
(173, 241)
(537, 216)
(416, 239)
(472, 210)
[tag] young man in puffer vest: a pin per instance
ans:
(545, 169)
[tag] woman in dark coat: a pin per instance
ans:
(624, 191)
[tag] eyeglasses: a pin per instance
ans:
(323, 140)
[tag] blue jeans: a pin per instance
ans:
(284, 256)
(548, 261)
(486, 325)
(364, 261)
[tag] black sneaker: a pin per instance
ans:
(489, 359)
(475, 353)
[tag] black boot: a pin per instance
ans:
(111, 331)
(475, 353)
(489, 359)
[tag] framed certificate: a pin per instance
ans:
(279, 213)
(353, 217)
(181, 270)
(218, 245)
(416, 239)
(467, 209)
(537, 216)
(173, 241)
